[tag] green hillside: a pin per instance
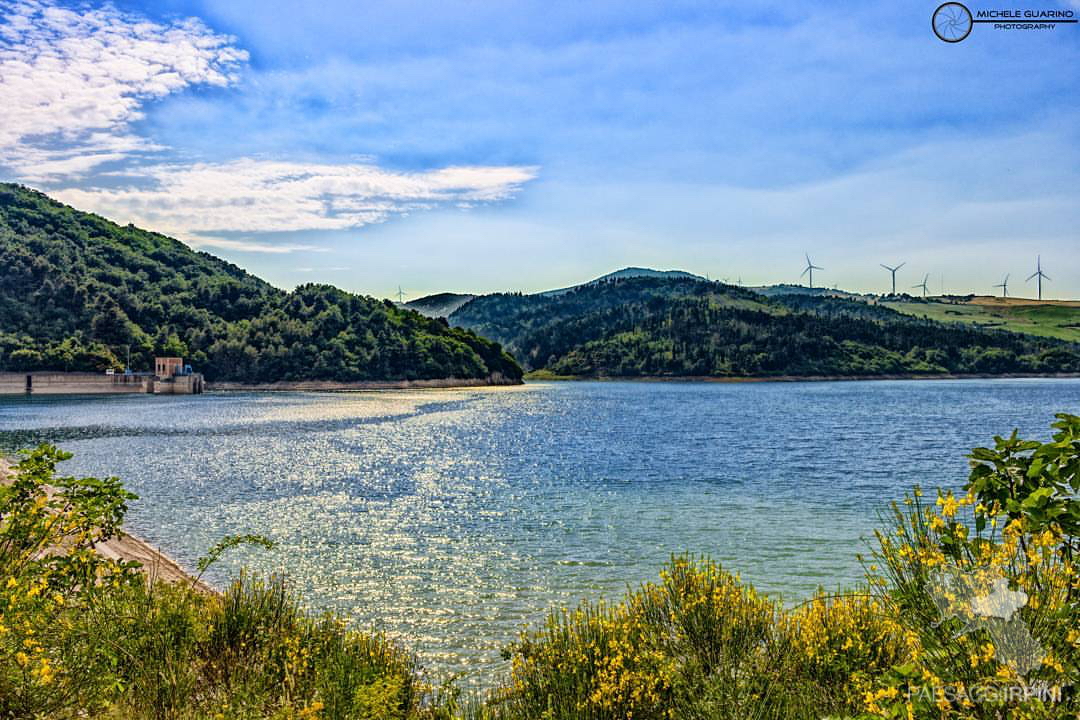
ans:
(77, 292)
(1056, 319)
(640, 327)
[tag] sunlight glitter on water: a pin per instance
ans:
(450, 518)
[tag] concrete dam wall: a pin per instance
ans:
(63, 383)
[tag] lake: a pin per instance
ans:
(450, 518)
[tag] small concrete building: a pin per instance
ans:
(172, 377)
(166, 367)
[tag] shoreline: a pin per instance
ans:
(799, 378)
(95, 384)
(359, 385)
(155, 563)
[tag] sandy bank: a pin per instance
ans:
(332, 386)
(155, 563)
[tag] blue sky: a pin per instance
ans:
(480, 146)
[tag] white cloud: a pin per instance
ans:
(200, 202)
(254, 246)
(73, 81)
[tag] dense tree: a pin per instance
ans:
(686, 327)
(78, 292)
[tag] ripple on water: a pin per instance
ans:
(450, 518)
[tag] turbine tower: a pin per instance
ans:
(1004, 285)
(400, 295)
(810, 268)
(893, 271)
(922, 285)
(1038, 274)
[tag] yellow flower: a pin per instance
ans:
(948, 505)
(45, 673)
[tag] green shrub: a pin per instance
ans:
(50, 577)
(986, 587)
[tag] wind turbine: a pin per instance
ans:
(1004, 285)
(923, 284)
(810, 268)
(893, 271)
(400, 295)
(1038, 274)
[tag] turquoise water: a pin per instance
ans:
(451, 518)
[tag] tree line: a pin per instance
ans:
(663, 327)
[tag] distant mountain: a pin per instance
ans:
(439, 305)
(663, 326)
(630, 272)
(77, 292)
(446, 303)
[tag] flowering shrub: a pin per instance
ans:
(986, 586)
(49, 576)
(595, 661)
(837, 646)
(699, 644)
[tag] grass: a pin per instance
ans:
(167, 651)
(1055, 319)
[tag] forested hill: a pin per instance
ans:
(76, 291)
(684, 327)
